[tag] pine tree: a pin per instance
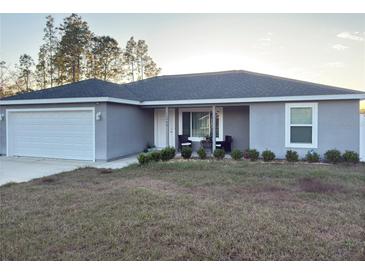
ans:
(41, 68)
(147, 67)
(142, 51)
(105, 58)
(25, 72)
(140, 64)
(3, 69)
(74, 44)
(151, 69)
(50, 46)
(130, 57)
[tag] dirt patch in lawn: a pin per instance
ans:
(317, 186)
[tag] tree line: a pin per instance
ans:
(72, 52)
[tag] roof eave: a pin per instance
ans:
(69, 100)
(255, 100)
(185, 102)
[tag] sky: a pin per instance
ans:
(322, 48)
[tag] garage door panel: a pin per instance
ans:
(48, 140)
(67, 134)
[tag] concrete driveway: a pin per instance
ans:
(22, 169)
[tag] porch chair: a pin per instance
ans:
(184, 141)
(226, 144)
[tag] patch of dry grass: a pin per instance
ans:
(188, 210)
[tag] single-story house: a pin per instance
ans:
(99, 120)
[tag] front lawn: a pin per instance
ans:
(195, 210)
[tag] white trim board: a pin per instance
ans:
(69, 100)
(91, 109)
(256, 99)
(185, 102)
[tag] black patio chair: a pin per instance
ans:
(184, 141)
(226, 144)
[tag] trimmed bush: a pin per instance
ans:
(268, 155)
(186, 152)
(167, 153)
(172, 152)
(291, 156)
(219, 154)
(155, 156)
(144, 158)
(253, 154)
(202, 154)
(236, 154)
(351, 157)
(332, 156)
(312, 157)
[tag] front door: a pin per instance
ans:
(160, 128)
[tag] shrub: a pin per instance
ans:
(186, 152)
(350, 157)
(155, 156)
(312, 157)
(172, 152)
(236, 154)
(332, 156)
(268, 155)
(291, 156)
(202, 154)
(167, 153)
(219, 154)
(144, 158)
(253, 154)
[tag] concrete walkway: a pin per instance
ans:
(22, 169)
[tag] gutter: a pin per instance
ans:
(184, 102)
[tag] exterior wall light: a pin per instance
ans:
(98, 116)
(2, 116)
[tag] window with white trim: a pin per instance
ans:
(197, 123)
(301, 129)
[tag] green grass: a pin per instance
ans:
(188, 210)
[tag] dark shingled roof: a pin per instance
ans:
(216, 85)
(85, 88)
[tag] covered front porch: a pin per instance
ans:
(197, 124)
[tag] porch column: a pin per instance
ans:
(167, 126)
(213, 128)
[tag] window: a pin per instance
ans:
(301, 125)
(197, 123)
(200, 124)
(186, 123)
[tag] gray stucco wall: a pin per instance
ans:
(129, 129)
(122, 130)
(100, 126)
(125, 129)
(338, 127)
(236, 124)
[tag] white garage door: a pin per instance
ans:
(53, 133)
(362, 137)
